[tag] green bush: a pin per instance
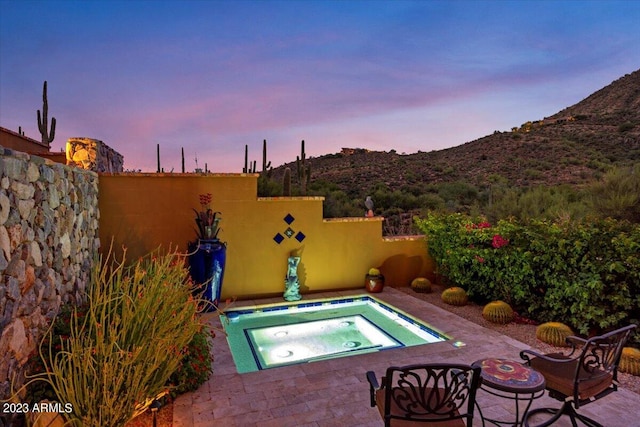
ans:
(617, 195)
(195, 367)
(585, 273)
(539, 202)
(138, 322)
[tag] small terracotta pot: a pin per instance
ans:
(374, 283)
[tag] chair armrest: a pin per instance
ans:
(528, 355)
(373, 386)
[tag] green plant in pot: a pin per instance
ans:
(374, 281)
(207, 254)
(207, 220)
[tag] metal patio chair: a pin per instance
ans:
(441, 395)
(586, 374)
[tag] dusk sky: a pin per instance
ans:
(212, 76)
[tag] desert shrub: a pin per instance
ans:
(268, 187)
(533, 174)
(457, 194)
(430, 201)
(132, 338)
(617, 195)
(625, 127)
(194, 369)
(385, 199)
(550, 203)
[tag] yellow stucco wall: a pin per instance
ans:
(144, 211)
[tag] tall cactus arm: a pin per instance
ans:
(47, 135)
(245, 169)
(265, 164)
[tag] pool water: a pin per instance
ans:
(273, 335)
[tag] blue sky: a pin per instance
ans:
(212, 76)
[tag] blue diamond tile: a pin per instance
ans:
(289, 232)
(278, 238)
(289, 219)
(300, 236)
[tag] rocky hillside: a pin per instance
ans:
(573, 146)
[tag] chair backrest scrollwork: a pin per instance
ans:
(600, 356)
(602, 353)
(431, 392)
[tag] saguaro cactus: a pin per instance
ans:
(249, 167)
(286, 183)
(266, 165)
(304, 170)
(47, 134)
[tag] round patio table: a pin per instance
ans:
(510, 380)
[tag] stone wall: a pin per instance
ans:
(48, 238)
(94, 155)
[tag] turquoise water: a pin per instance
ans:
(273, 335)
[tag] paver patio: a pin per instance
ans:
(335, 392)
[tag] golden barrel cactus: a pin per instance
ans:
(455, 296)
(630, 361)
(554, 333)
(421, 284)
(498, 312)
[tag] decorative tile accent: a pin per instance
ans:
(289, 232)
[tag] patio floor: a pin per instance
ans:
(335, 392)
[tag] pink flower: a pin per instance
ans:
(479, 259)
(499, 241)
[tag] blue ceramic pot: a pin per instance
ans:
(206, 265)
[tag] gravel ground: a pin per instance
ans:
(522, 332)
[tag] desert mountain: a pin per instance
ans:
(574, 146)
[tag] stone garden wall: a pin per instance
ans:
(94, 155)
(48, 238)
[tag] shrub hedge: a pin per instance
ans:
(583, 273)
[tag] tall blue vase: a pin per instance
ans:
(206, 265)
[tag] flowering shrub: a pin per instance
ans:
(585, 274)
(498, 241)
(195, 367)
